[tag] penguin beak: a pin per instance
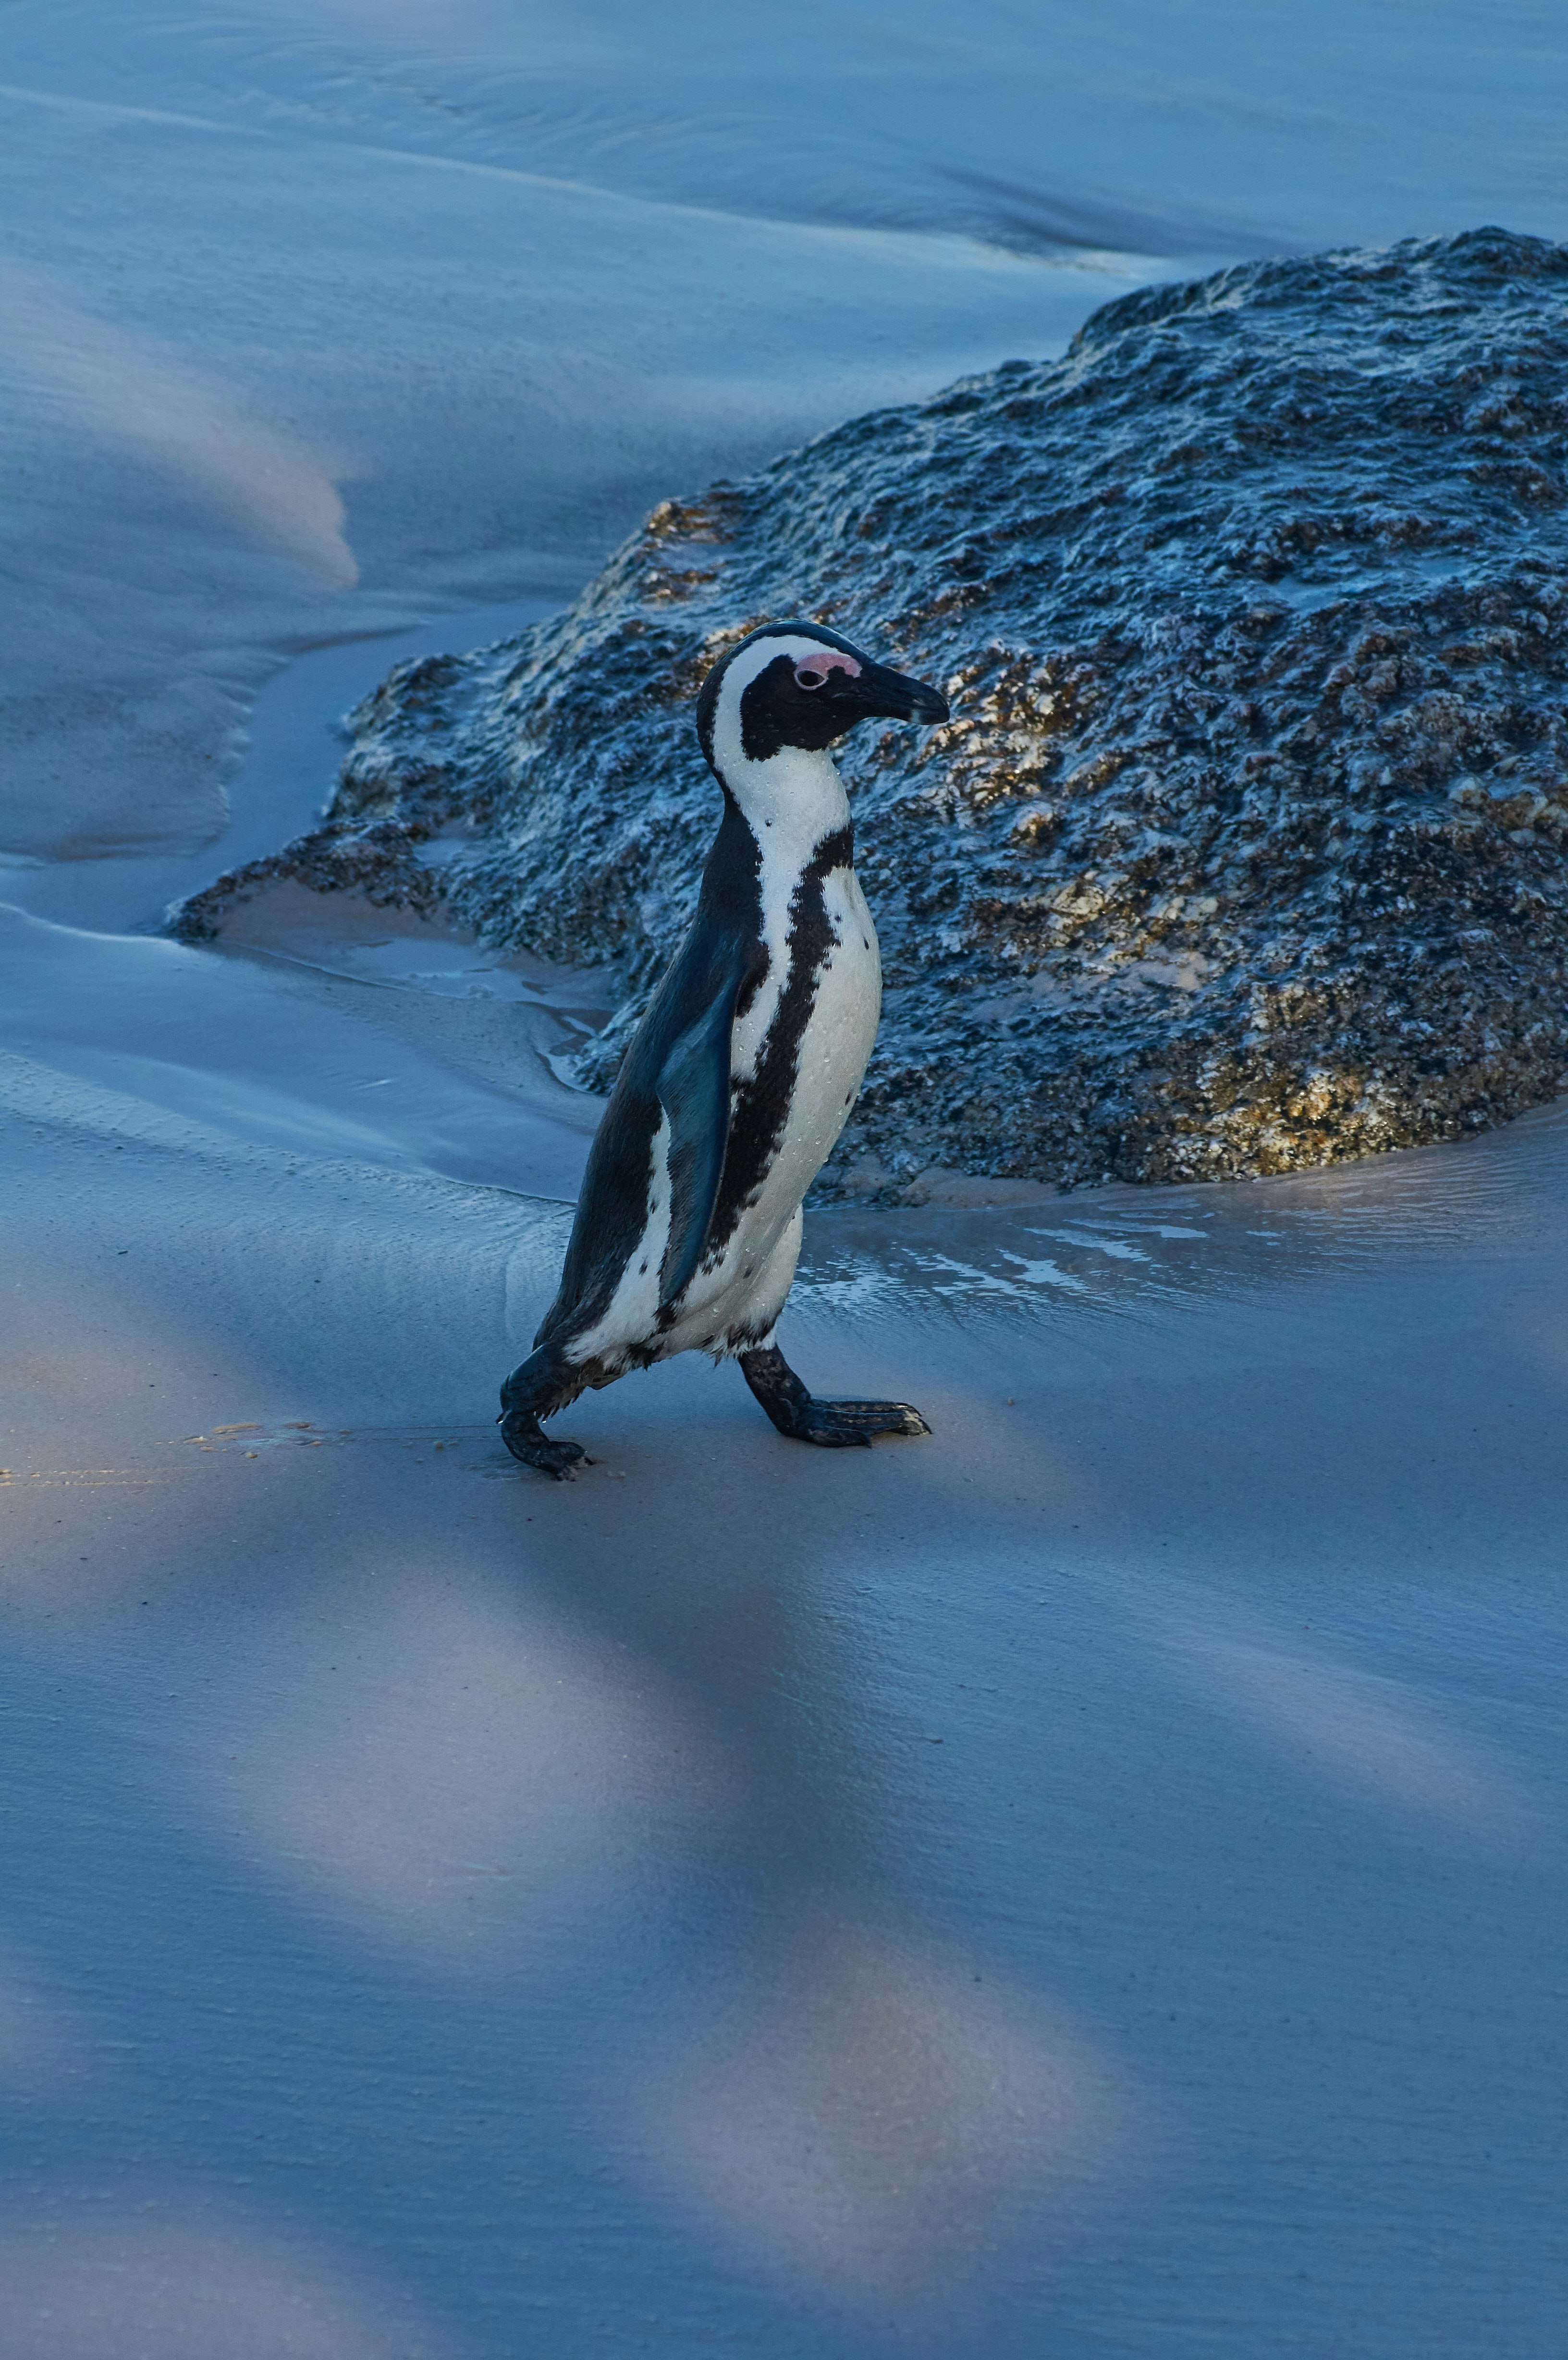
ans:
(876, 691)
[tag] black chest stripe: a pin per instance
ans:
(760, 1107)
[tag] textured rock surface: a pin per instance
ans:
(1244, 847)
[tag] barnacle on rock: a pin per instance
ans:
(1244, 846)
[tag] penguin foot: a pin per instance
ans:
(845, 1424)
(831, 1424)
(539, 1388)
(527, 1439)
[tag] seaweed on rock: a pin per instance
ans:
(1244, 846)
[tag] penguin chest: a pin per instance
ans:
(794, 1081)
(836, 1008)
(796, 1065)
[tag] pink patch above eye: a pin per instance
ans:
(814, 674)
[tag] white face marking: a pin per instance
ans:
(761, 789)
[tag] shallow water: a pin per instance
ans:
(1091, 1882)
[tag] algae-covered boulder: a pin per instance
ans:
(1244, 846)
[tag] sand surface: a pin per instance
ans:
(1088, 1884)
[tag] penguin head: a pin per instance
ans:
(799, 687)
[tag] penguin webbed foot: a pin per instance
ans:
(526, 1440)
(531, 1391)
(847, 1425)
(831, 1424)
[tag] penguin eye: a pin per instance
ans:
(806, 678)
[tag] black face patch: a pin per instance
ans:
(777, 712)
(806, 704)
(708, 694)
(796, 702)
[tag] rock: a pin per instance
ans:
(1244, 846)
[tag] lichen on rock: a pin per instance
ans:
(1244, 848)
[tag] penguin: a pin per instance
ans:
(743, 1069)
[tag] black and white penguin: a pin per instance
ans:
(743, 1070)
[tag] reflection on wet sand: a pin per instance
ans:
(837, 2087)
(594, 1825)
(1131, 1251)
(549, 1838)
(499, 1784)
(1368, 1734)
(465, 1779)
(175, 2281)
(873, 2115)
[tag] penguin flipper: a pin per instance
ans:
(693, 1088)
